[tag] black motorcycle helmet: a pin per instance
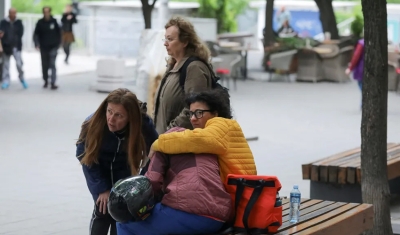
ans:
(131, 199)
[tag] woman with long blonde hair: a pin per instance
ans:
(112, 145)
(186, 51)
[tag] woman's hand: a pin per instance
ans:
(102, 201)
(348, 71)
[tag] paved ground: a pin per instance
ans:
(44, 191)
(78, 63)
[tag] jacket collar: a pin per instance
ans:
(9, 20)
(180, 64)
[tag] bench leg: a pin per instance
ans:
(335, 192)
(345, 192)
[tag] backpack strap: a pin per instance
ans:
(183, 70)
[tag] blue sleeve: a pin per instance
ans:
(150, 135)
(94, 179)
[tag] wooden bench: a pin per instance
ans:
(327, 217)
(338, 177)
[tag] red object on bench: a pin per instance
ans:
(223, 71)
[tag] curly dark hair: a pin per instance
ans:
(217, 101)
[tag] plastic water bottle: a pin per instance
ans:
(295, 198)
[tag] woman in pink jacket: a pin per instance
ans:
(192, 198)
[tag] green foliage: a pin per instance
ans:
(29, 6)
(357, 26)
(23, 5)
(296, 43)
(225, 11)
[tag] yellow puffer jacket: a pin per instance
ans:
(222, 137)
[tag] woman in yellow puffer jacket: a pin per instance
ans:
(214, 132)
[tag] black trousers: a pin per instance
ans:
(101, 223)
(49, 62)
(67, 49)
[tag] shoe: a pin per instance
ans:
(54, 87)
(45, 84)
(25, 85)
(5, 86)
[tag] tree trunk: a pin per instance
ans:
(146, 10)
(374, 180)
(327, 17)
(269, 36)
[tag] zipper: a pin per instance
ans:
(115, 155)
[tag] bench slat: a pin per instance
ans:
(392, 168)
(309, 209)
(340, 173)
(317, 221)
(352, 222)
(303, 205)
(313, 214)
(391, 152)
(307, 168)
(342, 167)
(285, 203)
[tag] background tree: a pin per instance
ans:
(269, 34)
(147, 8)
(327, 17)
(374, 180)
(225, 11)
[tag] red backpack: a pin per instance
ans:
(256, 203)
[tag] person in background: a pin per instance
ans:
(282, 16)
(47, 39)
(357, 65)
(11, 34)
(67, 20)
(286, 30)
(181, 41)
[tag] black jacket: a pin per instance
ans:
(67, 24)
(9, 41)
(47, 34)
(112, 158)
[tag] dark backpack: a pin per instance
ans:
(214, 77)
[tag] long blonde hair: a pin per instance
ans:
(187, 34)
(93, 130)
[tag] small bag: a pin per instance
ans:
(256, 202)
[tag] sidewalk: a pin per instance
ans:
(77, 64)
(44, 189)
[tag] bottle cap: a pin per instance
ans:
(295, 186)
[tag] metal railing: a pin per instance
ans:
(109, 36)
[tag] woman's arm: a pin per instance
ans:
(211, 139)
(356, 57)
(197, 79)
(157, 169)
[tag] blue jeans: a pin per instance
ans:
(165, 220)
(360, 84)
